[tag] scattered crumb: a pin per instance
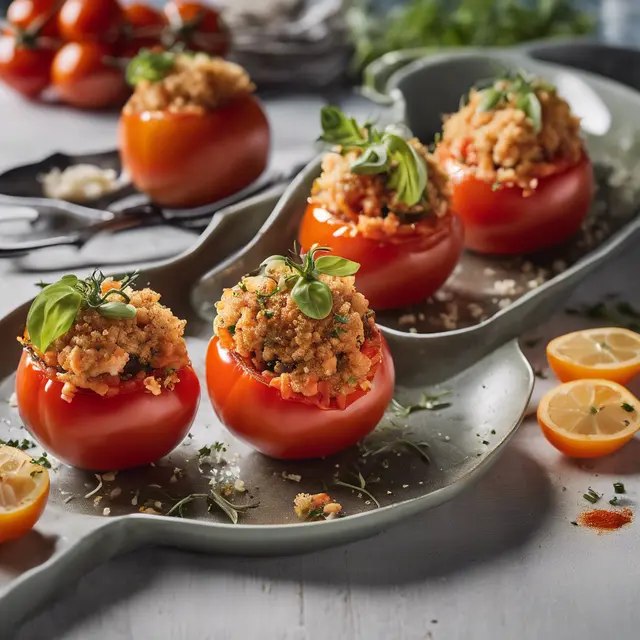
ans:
(407, 318)
(488, 271)
(505, 287)
(239, 485)
(292, 476)
(504, 303)
(475, 310)
(109, 476)
(106, 511)
(115, 493)
(13, 400)
(134, 500)
(97, 500)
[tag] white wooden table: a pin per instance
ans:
(501, 562)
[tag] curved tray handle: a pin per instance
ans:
(567, 51)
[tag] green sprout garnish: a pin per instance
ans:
(311, 295)
(382, 152)
(150, 65)
(55, 308)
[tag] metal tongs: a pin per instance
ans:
(57, 223)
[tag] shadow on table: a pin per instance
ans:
(497, 516)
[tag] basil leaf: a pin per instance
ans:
(534, 111)
(53, 312)
(374, 160)
(116, 310)
(150, 66)
(338, 129)
(313, 298)
(409, 176)
(490, 98)
(336, 266)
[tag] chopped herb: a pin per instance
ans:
(220, 447)
(33, 474)
(629, 408)
(626, 423)
(336, 332)
(574, 523)
(359, 489)
(493, 432)
(485, 442)
(43, 461)
(495, 186)
(614, 501)
(591, 496)
(341, 319)
(204, 452)
(269, 314)
(618, 487)
(416, 446)
(232, 329)
(23, 444)
(242, 286)
(593, 409)
(427, 402)
(352, 380)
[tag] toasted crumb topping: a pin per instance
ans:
(367, 203)
(500, 145)
(102, 354)
(261, 323)
(319, 506)
(196, 83)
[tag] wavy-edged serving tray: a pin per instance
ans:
(481, 365)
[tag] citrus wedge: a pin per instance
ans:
(589, 418)
(24, 490)
(610, 353)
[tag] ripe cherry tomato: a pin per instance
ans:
(291, 429)
(199, 27)
(505, 222)
(84, 76)
(90, 20)
(37, 16)
(394, 273)
(25, 67)
(98, 433)
(188, 159)
(143, 28)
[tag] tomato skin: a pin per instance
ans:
(23, 14)
(100, 434)
(393, 273)
(288, 429)
(200, 27)
(83, 78)
(90, 20)
(189, 159)
(143, 27)
(25, 69)
(503, 222)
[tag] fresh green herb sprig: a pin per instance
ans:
(426, 403)
(383, 152)
(149, 65)
(311, 295)
(54, 309)
(520, 86)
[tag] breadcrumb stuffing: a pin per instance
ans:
(370, 206)
(103, 354)
(319, 506)
(501, 146)
(295, 353)
(197, 83)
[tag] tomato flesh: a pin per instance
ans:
(504, 222)
(105, 433)
(289, 429)
(393, 273)
(189, 159)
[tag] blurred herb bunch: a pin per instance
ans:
(457, 23)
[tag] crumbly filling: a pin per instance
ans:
(102, 354)
(196, 83)
(373, 208)
(501, 145)
(319, 506)
(297, 354)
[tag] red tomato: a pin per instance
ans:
(199, 27)
(25, 68)
(188, 159)
(505, 222)
(291, 429)
(39, 16)
(393, 273)
(130, 429)
(90, 20)
(144, 27)
(84, 76)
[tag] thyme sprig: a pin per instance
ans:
(382, 152)
(426, 403)
(214, 499)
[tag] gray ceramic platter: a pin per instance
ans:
(489, 380)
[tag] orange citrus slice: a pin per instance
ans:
(589, 418)
(24, 490)
(610, 353)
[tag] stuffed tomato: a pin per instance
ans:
(105, 381)
(520, 176)
(297, 367)
(192, 132)
(382, 201)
